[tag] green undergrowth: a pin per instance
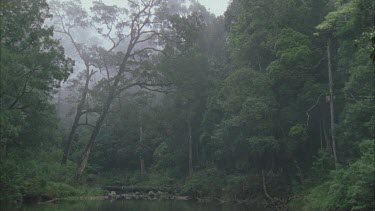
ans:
(30, 176)
(350, 187)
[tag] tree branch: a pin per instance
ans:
(311, 108)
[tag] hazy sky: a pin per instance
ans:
(217, 7)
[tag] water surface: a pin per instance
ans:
(129, 205)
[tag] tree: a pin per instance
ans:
(135, 26)
(335, 23)
(70, 16)
(32, 65)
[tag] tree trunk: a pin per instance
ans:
(90, 146)
(321, 135)
(58, 109)
(112, 92)
(328, 146)
(81, 104)
(3, 149)
(190, 143)
(197, 158)
(141, 160)
(331, 101)
(84, 158)
(111, 95)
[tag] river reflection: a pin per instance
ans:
(136, 206)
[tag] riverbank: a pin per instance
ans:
(143, 194)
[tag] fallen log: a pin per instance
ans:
(132, 189)
(49, 201)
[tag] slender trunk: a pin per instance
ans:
(58, 109)
(3, 149)
(81, 104)
(265, 188)
(141, 160)
(321, 136)
(190, 143)
(197, 158)
(300, 174)
(331, 101)
(328, 146)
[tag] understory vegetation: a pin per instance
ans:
(271, 103)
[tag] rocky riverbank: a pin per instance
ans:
(150, 195)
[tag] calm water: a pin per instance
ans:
(136, 206)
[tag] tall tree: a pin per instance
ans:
(32, 64)
(70, 17)
(140, 26)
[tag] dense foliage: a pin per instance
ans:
(271, 103)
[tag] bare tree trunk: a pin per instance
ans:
(328, 146)
(321, 135)
(141, 160)
(111, 95)
(190, 143)
(197, 158)
(58, 109)
(90, 146)
(81, 104)
(265, 187)
(3, 149)
(331, 101)
(300, 174)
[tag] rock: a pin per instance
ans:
(45, 197)
(184, 198)
(112, 195)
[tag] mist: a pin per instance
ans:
(187, 105)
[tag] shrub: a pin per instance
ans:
(348, 188)
(31, 173)
(207, 182)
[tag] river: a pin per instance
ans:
(129, 205)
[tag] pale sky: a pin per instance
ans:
(217, 7)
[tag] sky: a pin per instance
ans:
(217, 7)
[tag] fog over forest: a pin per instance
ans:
(187, 105)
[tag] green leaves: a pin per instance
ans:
(241, 109)
(349, 187)
(339, 15)
(261, 146)
(32, 65)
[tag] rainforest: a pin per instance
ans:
(166, 105)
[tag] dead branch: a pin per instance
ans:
(311, 108)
